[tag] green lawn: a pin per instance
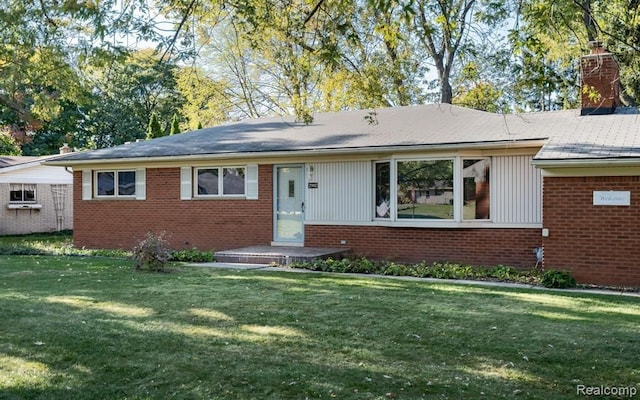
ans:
(92, 328)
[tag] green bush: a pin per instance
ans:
(439, 270)
(558, 279)
(191, 255)
(152, 252)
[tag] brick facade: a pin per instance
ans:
(212, 224)
(479, 247)
(598, 244)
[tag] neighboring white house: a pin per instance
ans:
(34, 197)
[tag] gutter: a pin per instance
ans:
(587, 162)
(511, 144)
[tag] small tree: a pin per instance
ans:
(154, 130)
(152, 252)
(175, 125)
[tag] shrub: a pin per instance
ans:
(503, 273)
(558, 279)
(152, 252)
(191, 255)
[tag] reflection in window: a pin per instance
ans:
(233, 181)
(383, 189)
(108, 181)
(22, 193)
(208, 181)
(425, 189)
(126, 183)
(217, 181)
(475, 175)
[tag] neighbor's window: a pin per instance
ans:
(383, 189)
(22, 193)
(115, 183)
(475, 175)
(220, 181)
(425, 189)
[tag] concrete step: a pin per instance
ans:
(280, 255)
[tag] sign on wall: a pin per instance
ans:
(611, 198)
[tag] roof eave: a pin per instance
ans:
(505, 144)
(586, 162)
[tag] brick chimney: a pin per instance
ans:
(600, 85)
(65, 149)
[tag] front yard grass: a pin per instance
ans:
(92, 328)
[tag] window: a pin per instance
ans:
(452, 189)
(383, 189)
(220, 181)
(425, 189)
(22, 193)
(475, 177)
(115, 183)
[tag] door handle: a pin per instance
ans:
(302, 206)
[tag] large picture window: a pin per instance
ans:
(433, 189)
(220, 181)
(425, 189)
(115, 183)
(22, 193)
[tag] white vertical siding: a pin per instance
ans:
(344, 192)
(516, 190)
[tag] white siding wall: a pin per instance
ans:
(37, 174)
(46, 219)
(344, 192)
(517, 191)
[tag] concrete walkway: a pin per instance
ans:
(266, 267)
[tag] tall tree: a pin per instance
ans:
(126, 94)
(45, 43)
(175, 125)
(205, 99)
(154, 130)
(551, 36)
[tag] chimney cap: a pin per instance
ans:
(65, 149)
(597, 47)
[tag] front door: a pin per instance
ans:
(289, 204)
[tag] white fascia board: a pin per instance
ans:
(515, 144)
(586, 162)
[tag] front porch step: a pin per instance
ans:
(280, 255)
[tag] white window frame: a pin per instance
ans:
(458, 193)
(220, 194)
(22, 189)
(115, 194)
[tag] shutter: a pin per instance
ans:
(251, 189)
(185, 183)
(86, 185)
(141, 190)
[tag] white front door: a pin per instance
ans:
(288, 221)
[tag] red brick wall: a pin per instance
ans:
(479, 247)
(216, 224)
(598, 244)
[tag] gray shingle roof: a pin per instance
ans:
(10, 161)
(595, 137)
(568, 135)
(427, 125)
